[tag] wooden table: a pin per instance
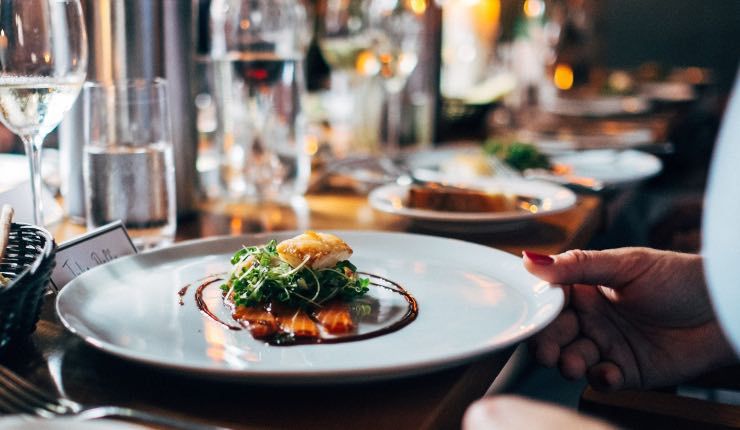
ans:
(55, 359)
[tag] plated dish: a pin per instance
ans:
(609, 167)
(545, 198)
(304, 290)
(472, 300)
(596, 105)
(612, 168)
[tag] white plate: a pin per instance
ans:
(612, 168)
(596, 106)
(447, 161)
(15, 187)
(25, 422)
(555, 198)
(472, 300)
(675, 92)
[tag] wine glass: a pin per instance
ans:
(265, 44)
(353, 104)
(344, 38)
(43, 62)
(395, 27)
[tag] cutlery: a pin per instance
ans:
(19, 396)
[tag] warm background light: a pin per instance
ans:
(367, 64)
(563, 77)
(418, 6)
(486, 17)
(534, 8)
(312, 145)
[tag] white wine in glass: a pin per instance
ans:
(43, 62)
(395, 62)
(344, 35)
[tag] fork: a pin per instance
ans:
(21, 397)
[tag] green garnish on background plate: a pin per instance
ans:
(518, 155)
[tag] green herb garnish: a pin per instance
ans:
(518, 155)
(259, 276)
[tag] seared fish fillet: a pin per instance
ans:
(321, 250)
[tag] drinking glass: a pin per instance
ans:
(43, 62)
(264, 46)
(396, 28)
(128, 166)
(344, 36)
(345, 41)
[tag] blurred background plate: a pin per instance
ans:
(392, 199)
(596, 106)
(554, 136)
(610, 167)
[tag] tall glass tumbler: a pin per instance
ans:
(128, 163)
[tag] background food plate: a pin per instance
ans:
(610, 167)
(555, 198)
(597, 105)
(473, 300)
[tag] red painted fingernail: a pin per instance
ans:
(540, 259)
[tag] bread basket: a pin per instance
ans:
(28, 262)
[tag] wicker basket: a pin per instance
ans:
(28, 262)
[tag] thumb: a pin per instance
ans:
(613, 268)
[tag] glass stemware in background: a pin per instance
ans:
(43, 62)
(344, 38)
(305, 13)
(264, 47)
(352, 104)
(396, 28)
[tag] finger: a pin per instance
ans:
(577, 357)
(613, 268)
(546, 345)
(602, 326)
(606, 376)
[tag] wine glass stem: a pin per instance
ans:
(33, 146)
(394, 122)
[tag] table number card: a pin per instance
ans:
(97, 247)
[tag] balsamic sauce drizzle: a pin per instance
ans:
(412, 311)
(204, 307)
(181, 294)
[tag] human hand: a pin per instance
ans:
(509, 412)
(634, 317)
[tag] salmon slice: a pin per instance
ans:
(259, 322)
(296, 323)
(335, 318)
